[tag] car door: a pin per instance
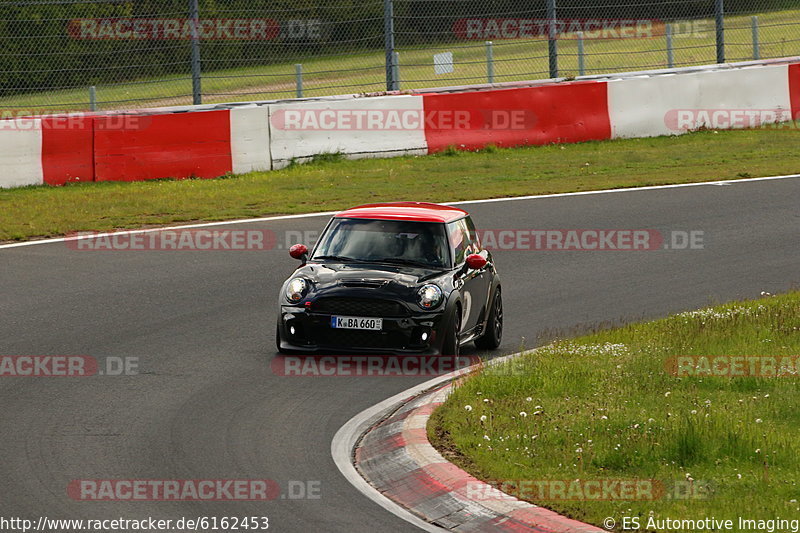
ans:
(474, 284)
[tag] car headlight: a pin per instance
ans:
(296, 289)
(429, 296)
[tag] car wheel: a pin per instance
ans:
(451, 347)
(278, 339)
(494, 325)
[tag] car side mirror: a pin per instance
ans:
(476, 261)
(299, 251)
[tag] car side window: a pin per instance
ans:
(463, 239)
(475, 244)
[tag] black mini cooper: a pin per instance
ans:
(395, 278)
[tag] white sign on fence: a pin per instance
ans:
(443, 63)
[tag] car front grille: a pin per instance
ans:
(359, 307)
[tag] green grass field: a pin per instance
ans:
(610, 406)
(44, 211)
(515, 60)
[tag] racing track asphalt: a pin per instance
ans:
(207, 405)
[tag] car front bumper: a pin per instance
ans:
(307, 331)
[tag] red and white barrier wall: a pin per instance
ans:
(649, 106)
(21, 153)
(208, 142)
(555, 113)
(382, 126)
(137, 146)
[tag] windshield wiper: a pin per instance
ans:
(401, 261)
(342, 258)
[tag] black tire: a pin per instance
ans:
(494, 325)
(451, 346)
(278, 339)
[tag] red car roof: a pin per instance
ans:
(414, 211)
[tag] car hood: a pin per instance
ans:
(366, 275)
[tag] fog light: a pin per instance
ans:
(424, 336)
(291, 330)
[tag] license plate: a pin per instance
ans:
(356, 322)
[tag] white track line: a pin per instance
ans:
(329, 213)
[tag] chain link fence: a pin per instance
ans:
(60, 55)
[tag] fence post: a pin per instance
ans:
(396, 70)
(670, 51)
(92, 98)
(756, 44)
(298, 80)
(552, 45)
(489, 62)
(719, 15)
(194, 15)
(581, 56)
(392, 83)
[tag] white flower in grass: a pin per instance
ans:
(604, 417)
(738, 476)
(486, 437)
(523, 414)
(758, 420)
(667, 393)
(485, 400)
(758, 450)
(468, 407)
(528, 399)
(483, 418)
(694, 411)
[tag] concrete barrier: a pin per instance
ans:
(21, 152)
(382, 126)
(210, 141)
(676, 103)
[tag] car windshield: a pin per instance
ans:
(384, 241)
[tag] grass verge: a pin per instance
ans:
(329, 184)
(610, 406)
